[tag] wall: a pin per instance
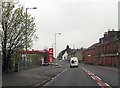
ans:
(106, 52)
(79, 55)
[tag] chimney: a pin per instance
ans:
(105, 34)
(112, 29)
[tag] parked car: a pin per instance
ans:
(55, 64)
(46, 63)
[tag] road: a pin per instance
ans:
(85, 75)
(63, 75)
(73, 77)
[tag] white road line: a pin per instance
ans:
(93, 77)
(58, 75)
(91, 73)
(107, 84)
(64, 71)
(98, 78)
(88, 73)
(40, 83)
(46, 83)
(52, 78)
(55, 77)
(99, 84)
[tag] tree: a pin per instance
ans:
(13, 36)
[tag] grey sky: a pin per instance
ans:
(81, 22)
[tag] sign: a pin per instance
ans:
(50, 55)
(112, 54)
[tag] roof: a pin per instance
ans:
(93, 46)
(34, 51)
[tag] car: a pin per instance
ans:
(74, 62)
(55, 64)
(46, 64)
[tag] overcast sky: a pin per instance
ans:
(81, 22)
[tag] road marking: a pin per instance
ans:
(40, 83)
(63, 71)
(96, 78)
(90, 73)
(58, 75)
(107, 84)
(54, 77)
(99, 84)
(93, 77)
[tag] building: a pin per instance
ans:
(90, 54)
(79, 55)
(30, 58)
(106, 51)
(64, 57)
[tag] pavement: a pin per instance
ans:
(30, 78)
(114, 69)
(40, 75)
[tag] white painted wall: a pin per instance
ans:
(64, 57)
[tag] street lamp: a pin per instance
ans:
(26, 30)
(55, 42)
(26, 24)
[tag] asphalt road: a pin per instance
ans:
(73, 77)
(63, 75)
(108, 76)
(81, 77)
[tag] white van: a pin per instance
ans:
(74, 62)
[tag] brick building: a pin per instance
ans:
(89, 54)
(78, 53)
(106, 51)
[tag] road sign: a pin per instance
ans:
(50, 55)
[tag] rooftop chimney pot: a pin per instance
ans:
(112, 29)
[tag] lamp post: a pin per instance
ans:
(26, 32)
(55, 42)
